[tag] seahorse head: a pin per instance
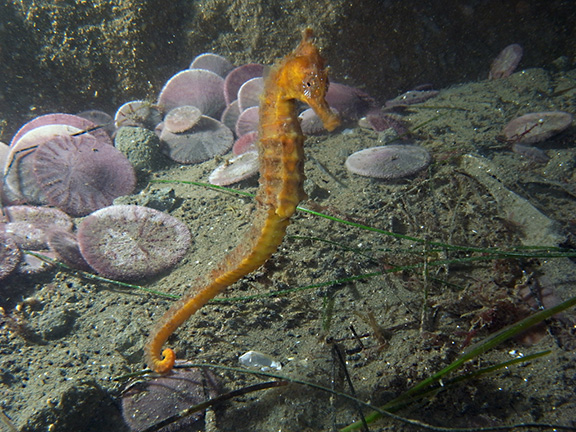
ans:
(305, 78)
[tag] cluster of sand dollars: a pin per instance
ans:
(123, 242)
(79, 164)
(60, 166)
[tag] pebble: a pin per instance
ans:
(141, 147)
(55, 324)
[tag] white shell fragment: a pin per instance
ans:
(256, 359)
(236, 169)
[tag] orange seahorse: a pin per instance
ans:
(299, 76)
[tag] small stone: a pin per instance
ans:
(140, 146)
(55, 324)
(162, 199)
(9, 255)
(129, 342)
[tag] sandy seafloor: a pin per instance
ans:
(57, 372)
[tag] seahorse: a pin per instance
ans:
(300, 76)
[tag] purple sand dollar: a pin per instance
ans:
(146, 403)
(389, 162)
(137, 113)
(28, 226)
(248, 121)
(250, 92)
(128, 242)
(350, 102)
(75, 121)
(65, 245)
(239, 76)
(101, 119)
(245, 143)
(506, 62)
(410, 98)
(535, 127)
(310, 122)
(230, 115)
(380, 121)
(80, 174)
(212, 62)
(4, 150)
(208, 138)
(182, 119)
(34, 265)
(197, 87)
(20, 183)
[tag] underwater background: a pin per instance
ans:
(384, 283)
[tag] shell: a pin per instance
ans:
(389, 162)
(236, 169)
(239, 76)
(506, 62)
(212, 62)
(197, 87)
(248, 121)
(80, 174)
(208, 138)
(132, 242)
(535, 127)
(250, 92)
